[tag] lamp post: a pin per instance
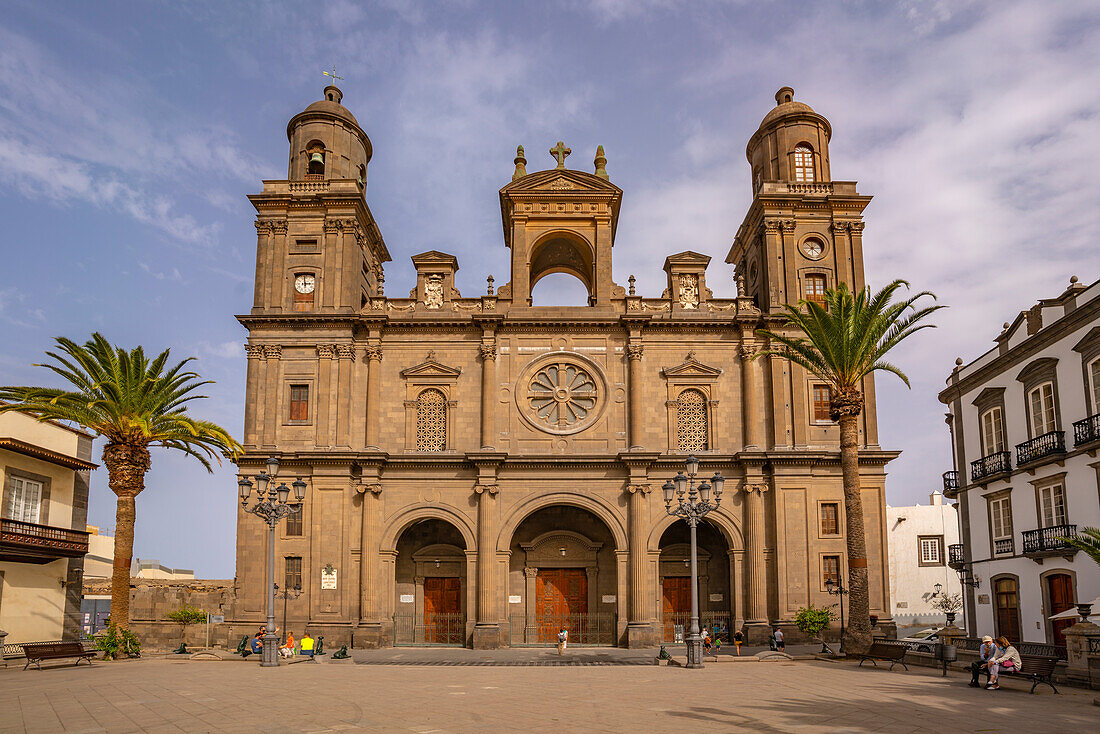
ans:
(693, 504)
(271, 506)
(292, 593)
(837, 588)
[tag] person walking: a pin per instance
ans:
(1007, 659)
(778, 636)
(986, 652)
(738, 640)
(563, 640)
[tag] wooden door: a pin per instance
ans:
(676, 603)
(1060, 591)
(561, 601)
(442, 610)
(1008, 609)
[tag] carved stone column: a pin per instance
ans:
(272, 353)
(756, 573)
(634, 399)
(750, 398)
(346, 355)
(263, 246)
(641, 631)
(373, 355)
(488, 384)
(487, 631)
(277, 295)
(369, 634)
(253, 382)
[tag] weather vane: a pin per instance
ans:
(332, 74)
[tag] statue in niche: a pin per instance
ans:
(433, 291)
(689, 290)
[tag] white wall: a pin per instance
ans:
(910, 583)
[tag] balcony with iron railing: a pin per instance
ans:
(1087, 430)
(1040, 447)
(990, 466)
(1004, 546)
(950, 484)
(29, 542)
(955, 555)
(1046, 542)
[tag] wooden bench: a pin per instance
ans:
(36, 652)
(1036, 668)
(886, 652)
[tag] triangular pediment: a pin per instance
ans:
(687, 257)
(558, 180)
(435, 256)
(431, 367)
(692, 368)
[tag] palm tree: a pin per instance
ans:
(133, 403)
(1087, 540)
(841, 343)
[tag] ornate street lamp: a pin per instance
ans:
(837, 588)
(693, 503)
(271, 506)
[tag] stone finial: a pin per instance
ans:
(1004, 326)
(739, 278)
(958, 361)
(601, 163)
(560, 153)
(489, 280)
(1073, 280)
(381, 283)
(630, 280)
(521, 164)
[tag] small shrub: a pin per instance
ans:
(114, 643)
(185, 616)
(812, 621)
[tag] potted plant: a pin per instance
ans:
(949, 604)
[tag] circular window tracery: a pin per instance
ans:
(563, 393)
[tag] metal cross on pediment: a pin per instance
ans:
(332, 74)
(560, 153)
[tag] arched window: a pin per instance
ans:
(803, 163)
(431, 421)
(691, 421)
(315, 158)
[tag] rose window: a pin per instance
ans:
(562, 394)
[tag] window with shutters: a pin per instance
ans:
(299, 403)
(803, 163)
(1052, 505)
(830, 569)
(993, 431)
(431, 421)
(24, 500)
(830, 518)
(821, 399)
(691, 421)
(293, 575)
(294, 523)
(815, 285)
(930, 548)
(1041, 403)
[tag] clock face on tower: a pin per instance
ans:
(304, 283)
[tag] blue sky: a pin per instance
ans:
(130, 134)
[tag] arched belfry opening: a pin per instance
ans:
(561, 221)
(563, 253)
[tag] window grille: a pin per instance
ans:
(431, 421)
(931, 550)
(691, 421)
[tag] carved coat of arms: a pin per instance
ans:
(689, 290)
(433, 291)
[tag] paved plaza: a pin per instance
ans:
(168, 695)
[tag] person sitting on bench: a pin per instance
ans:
(1007, 659)
(987, 651)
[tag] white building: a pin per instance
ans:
(919, 537)
(1025, 430)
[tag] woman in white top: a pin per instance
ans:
(1007, 658)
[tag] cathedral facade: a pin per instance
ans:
(482, 471)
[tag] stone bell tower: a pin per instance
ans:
(318, 247)
(560, 221)
(804, 231)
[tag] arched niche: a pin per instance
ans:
(564, 252)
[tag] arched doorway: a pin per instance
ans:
(716, 591)
(431, 588)
(1006, 600)
(562, 573)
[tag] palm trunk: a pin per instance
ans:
(126, 467)
(857, 635)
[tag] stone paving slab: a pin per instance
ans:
(792, 696)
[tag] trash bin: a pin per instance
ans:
(948, 654)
